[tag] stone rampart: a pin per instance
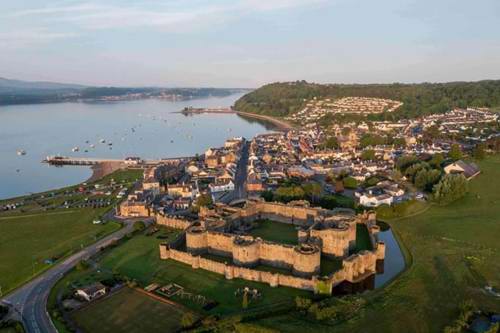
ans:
(172, 222)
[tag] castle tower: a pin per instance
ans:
(307, 260)
(246, 251)
(196, 240)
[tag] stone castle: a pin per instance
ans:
(224, 233)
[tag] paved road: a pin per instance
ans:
(30, 301)
(240, 178)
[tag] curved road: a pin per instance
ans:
(29, 303)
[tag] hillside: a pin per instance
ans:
(283, 99)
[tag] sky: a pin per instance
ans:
(248, 43)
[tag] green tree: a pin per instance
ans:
(312, 191)
(204, 200)
(425, 179)
(406, 161)
(350, 182)
(331, 143)
(479, 151)
(455, 152)
(139, 226)
(450, 188)
(368, 155)
(436, 161)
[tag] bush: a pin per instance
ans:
(187, 320)
(82, 265)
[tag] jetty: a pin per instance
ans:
(129, 161)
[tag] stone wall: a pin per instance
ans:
(355, 268)
(172, 222)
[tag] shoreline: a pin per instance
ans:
(103, 169)
(280, 124)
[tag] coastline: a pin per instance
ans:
(280, 124)
(103, 169)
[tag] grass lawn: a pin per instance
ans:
(138, 258)
(276, 232)
(27, 241)
(34, 233)
(454, 252)
(129, 311)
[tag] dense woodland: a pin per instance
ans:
(282, 99)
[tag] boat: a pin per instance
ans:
(21, 152)
(92, 146)
(102, 141)
(75, 149)
(110, 144)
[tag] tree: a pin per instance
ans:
(450, 188)
(436, 161)
(267, 195)
(312, 190)
(425, 179)
(331, 143)
(406, 161)
(368, 155)
(350, 182)
(139, 226)
(204, 200)
(187, 319)
(479, 152)
(412, 171)
(455, 152)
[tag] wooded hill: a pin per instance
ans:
(285, 98)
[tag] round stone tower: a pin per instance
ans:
(307, 260)
(196, 240)
(245, 251)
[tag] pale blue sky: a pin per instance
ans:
(247, 43)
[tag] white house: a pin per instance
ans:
(370, 200)
(222, 186)
(91, 292)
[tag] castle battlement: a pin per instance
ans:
(321, 233)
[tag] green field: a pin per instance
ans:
(453, 251)
(27, 241)
(128, 311)
(139, 259)
(275, 232)
(41, 230)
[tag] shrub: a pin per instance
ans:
(187, 319)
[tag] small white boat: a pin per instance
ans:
(21, 152)
(102, 141)
(75, 149)
(92, 145)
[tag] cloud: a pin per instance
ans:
(30, 37)
(166, 16)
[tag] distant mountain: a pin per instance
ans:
(18, 86)
(24, 92)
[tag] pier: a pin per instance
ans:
(135, 161)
